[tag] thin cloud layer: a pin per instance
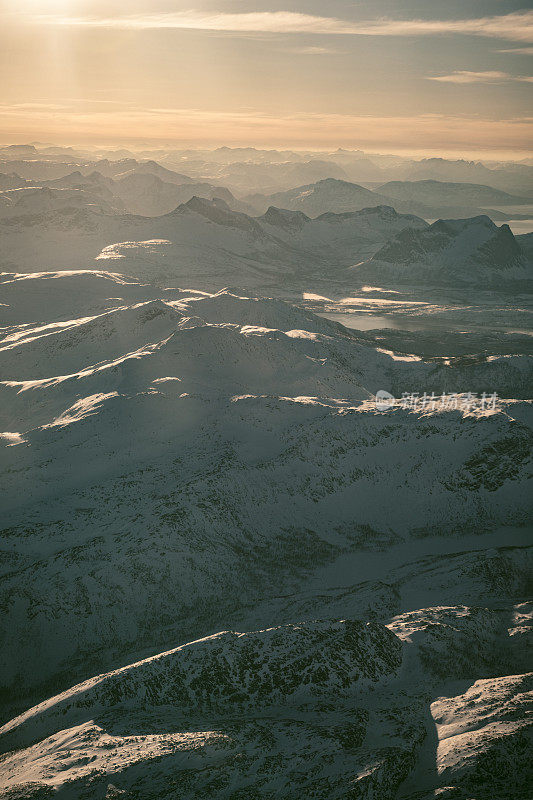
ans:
(518, 51)
(517, 26)
(424, 132)
(490, 76)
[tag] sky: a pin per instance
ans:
(405, 76)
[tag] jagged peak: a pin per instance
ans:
(202, 204)
(284, 217)
(454, 226)
(218, 212)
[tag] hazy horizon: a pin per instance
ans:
(409, 77)
(138, 147)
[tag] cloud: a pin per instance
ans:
(517, 26)
(518, 51)
(194, 127)
(491, 76)
(36, 107)
(315, 51)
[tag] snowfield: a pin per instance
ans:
(225, 573)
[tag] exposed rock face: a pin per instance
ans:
(451, 252)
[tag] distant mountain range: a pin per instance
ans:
(201, 240)
(245, 170)
(135, 191)
(150, 189)
(204, 242)
(443, 193)
(428, 199)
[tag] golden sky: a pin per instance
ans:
(391, 75)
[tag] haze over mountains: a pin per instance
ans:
(204, 240)
(227, 570)
(200, 238)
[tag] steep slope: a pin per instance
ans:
(453, 253)
(484, 737)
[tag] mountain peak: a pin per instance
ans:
(454, 227)
(451, 251)
(218, 211)
(283, 218)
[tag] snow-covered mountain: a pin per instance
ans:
(201, 240)
(226, 571)
(272, 580)
(12, 181)
(205, 243)
(451, 253)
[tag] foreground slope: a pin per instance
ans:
(207, 401)
(262, 581)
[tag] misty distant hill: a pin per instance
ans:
(427, 199)
(328, 195)
(442, 193)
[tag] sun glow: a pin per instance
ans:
(48, 6)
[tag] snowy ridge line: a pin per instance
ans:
(43, 383)
(52, 328)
